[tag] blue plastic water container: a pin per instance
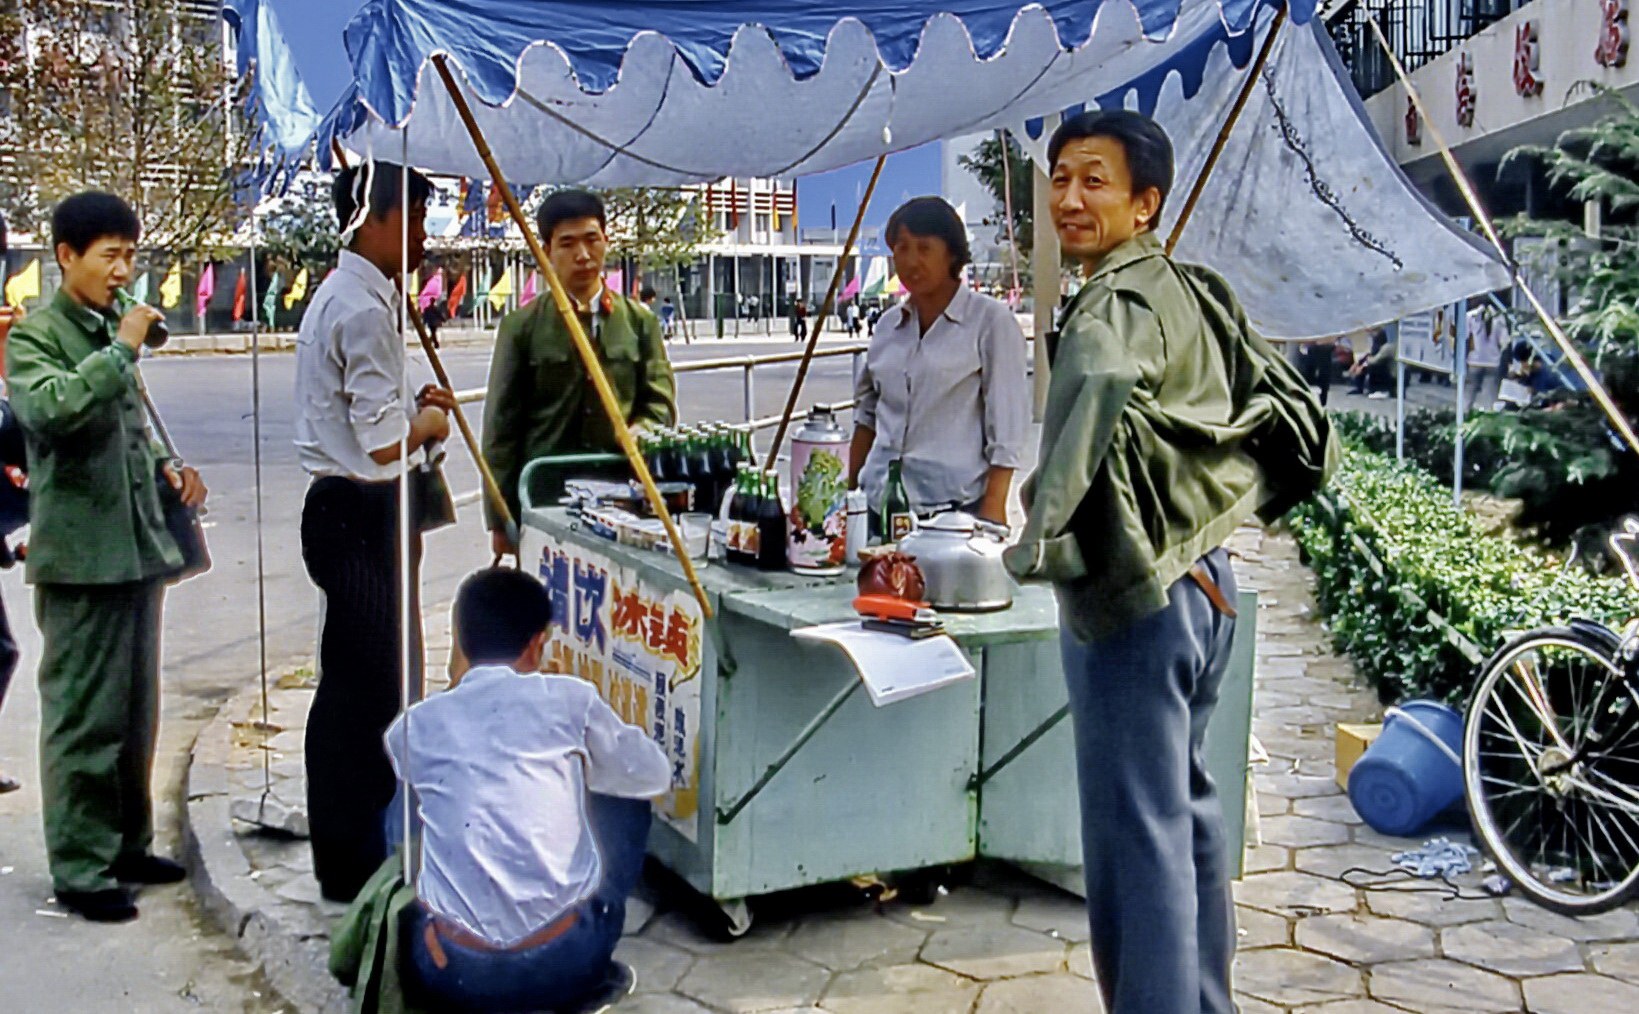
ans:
(1413, 771)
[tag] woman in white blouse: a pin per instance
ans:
(944, 388)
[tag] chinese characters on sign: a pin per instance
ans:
(1528, 59)
(1612, 50)
(640, 645)
(1465, 89)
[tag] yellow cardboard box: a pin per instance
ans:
(1352, 741)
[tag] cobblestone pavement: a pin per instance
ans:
(1002, 943)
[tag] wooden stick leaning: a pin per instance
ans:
(825, 312)
(1595, 388)
(1218, 145)
(491, 487)
(583, 345)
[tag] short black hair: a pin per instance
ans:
(933, 217)
(86, 217)
(568, 206)
(497, 612)
(1148, 148)
(648, 293)
(386, 180)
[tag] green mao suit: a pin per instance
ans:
(541, 400)
(99, 552)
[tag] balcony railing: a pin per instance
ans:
(1417, 30)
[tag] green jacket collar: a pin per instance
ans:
(1141, 247)
(84, 317)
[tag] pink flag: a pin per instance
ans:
(432, 291)
(529, 290)
(207, 288)
(616, 281)
(850, 290)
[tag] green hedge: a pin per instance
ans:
(1417, 594)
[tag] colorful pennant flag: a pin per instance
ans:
(239, 297)
(528, 295)
(481, 291)
(298, 289)
(432, 291)
(458, 294)
(851, 290)
(170, 290)
(25, 284)
(270, 302)
(204, 290)
(502, 288)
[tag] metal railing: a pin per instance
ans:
(1417, 30)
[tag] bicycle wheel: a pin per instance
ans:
(1551, 769)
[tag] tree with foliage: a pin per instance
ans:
(655, 227)
(129, 96)
(1017, 173)
(299, 228)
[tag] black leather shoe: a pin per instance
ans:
(148, 870)
(112, 905)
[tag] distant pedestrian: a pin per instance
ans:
(13, 500)
(1315, 363)
(799, 321)
(852, 319)
(668, 320)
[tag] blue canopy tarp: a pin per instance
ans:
(1307, 215)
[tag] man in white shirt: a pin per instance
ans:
(534, 813)
(354, 420)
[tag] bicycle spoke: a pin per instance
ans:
(1531, 751)
(1537, 701)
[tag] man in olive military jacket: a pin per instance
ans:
(99, 556)
(541, 400)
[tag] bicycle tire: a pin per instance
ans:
(1540, 783)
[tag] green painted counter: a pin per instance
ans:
(802, 781)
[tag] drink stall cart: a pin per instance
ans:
(785, 774)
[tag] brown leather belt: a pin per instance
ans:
(1214, 594)
(440, 929)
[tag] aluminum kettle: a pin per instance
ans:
(961, 559)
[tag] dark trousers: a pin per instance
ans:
(1163, 923)
(350, 547)
(1316, 367)
(565, 970)
(9, 655)
(99, 713)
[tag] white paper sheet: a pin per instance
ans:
(892, 666)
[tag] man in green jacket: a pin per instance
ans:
(1167, 423)
(541, 400)
(99, 556)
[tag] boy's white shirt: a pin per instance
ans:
(502, 764)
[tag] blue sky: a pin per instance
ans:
(314, 28)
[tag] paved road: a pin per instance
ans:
(169, 960)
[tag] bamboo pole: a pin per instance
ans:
(583, 345)
(491, 487)
(825, 312)
(1222, 140)
(1617, 418)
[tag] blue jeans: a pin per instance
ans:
(558, 973)
(1152, 834)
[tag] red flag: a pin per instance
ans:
(495, 207)
(733, 204)
(239, 297)
(458, 295)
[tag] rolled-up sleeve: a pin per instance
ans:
(1005, 382)
(372, 382)
(621, 759)
(865, 395)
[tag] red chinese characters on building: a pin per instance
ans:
(1467, 94)
(1528, 58)
(663, 631)
(1612, 50)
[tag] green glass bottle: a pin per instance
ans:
(897, 518)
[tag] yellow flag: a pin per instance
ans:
(894, 286)
(298, 290)
(25, 284)
(501, 290)
(170, 290)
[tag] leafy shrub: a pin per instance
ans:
(1415, 592)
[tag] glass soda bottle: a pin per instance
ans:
(897, 518)
(771, 525)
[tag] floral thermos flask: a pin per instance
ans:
(819, 490)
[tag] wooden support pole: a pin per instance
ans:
(577, 333)
(1252, 75)
(1617, 418)
(825, 312)
(491, 487)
